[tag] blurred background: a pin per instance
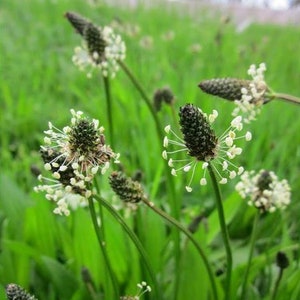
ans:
(174, 44)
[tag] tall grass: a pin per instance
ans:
(46, 253)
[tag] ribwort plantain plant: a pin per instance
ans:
(78, 157)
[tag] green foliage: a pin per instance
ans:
(45, 253)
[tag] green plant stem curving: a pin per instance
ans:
(252, 244)
(287, 98)
(102, 245)
(174, 204)
(279, 277)
(109, 109)
(224, 232)
(145, 98)
(135, 240)
(191, 238)
(271, 95)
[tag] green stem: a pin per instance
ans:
(135, 240)
(109, 109)
(274, 294)
(172, 195)
(252, 244)
(285, 97)
(224, 231)
(86, 278)
(101, 242)
(191, 238)
(137, 225)
(145, 98)
(102, 227)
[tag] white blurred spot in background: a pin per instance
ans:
(271, 4)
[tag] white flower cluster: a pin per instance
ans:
(264, 190)
(63, 196)
(115, 50)
(253, 97)
(143, 288)
(74, 156)
(225, 151)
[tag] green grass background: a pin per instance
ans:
(45, 253)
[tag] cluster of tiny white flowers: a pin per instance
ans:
(72, 171)
(59, 141)
(253, 97)
(63, 196)
(143, 288)
(115, 50)
(226, 150)
(276, 196)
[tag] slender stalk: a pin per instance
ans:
(103, 248)
(160, 133)
(286, 98)
(91, 291)
(109, 109)
(274, 294)
(252, 244)
(137, 224)
(191, 238)
(86, 277)
(144, 96)
(135, 240)
(224, 231)
(174, 204)
(102, 227)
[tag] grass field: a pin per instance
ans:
(44, 252)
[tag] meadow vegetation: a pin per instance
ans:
(58, 257)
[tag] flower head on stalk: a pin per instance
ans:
(163, 95)
(15, 292)
(264, 190)
(74, 156)
(101, 48)
(248, 95)
(128, 190)
(201, 145)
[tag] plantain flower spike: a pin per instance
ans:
(248, 95)
(73, 156)
(163, 95)
(101, 49)
(15, 292)
(200, 145)
(226, 88)
(264, 190)
(78, 22)
(128, 190)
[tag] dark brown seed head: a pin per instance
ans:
(198, 135)
(226, 88)
(282, 260)
(264, 181)
(77, 21)
(127, 189)
(15, 292)
(95, 42)
(162, 95)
